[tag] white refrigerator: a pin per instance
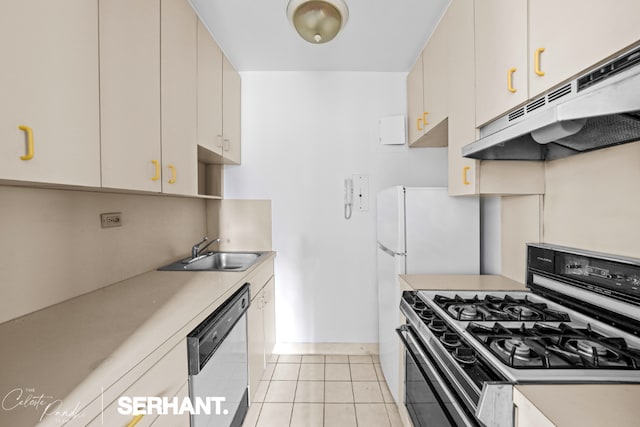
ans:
(420, 230)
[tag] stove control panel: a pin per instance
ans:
(600, 273)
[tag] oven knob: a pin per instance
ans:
(438, 326)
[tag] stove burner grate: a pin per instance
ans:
(493, 307)
(555, 347)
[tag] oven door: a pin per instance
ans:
(429, 399)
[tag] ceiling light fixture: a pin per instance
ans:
(317, 21)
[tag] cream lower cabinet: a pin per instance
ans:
(261, 333)
(526, 414)
(49, 118)
(130, 94)
(167, 378)
(470, 176)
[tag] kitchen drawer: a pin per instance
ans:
(260, 277)
(164, 379)
(178, 420)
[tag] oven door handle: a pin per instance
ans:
(420, 359)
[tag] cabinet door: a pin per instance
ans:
(255, 342)
(49, 80)
(269, 318)
(164, 379)
(178, 76)
(415, 107)
(576, 35)
(231, 92)
(130, 94)
(209, 92)
(462, 127)
(435, 78)
(501, 57)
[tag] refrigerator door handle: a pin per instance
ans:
(389, 251)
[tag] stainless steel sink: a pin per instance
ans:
(216, 261)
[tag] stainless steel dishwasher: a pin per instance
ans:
(218, 365)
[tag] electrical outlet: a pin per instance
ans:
(112, 219)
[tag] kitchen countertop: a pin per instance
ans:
(461, 282)
(586, 405)
(72, 350)
(566, 405)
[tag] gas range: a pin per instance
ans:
(580, 322)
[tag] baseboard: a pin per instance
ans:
(326, 348)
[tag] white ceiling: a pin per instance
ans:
(381, 35)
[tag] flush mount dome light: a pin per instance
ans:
(317, 21)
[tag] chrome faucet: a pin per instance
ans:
(197, 250)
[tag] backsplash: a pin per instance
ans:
(53, 247)
(592, 201)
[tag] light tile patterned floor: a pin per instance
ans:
(323, 391)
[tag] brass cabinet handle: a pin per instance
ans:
(157, 175)
(418, 126)
(135, 420)
(465, 169)
(536, 61)
(510, 80)
(29, 132)
(424, 118)
(172, 180)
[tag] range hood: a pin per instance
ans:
(599, 109)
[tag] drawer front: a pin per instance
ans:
(164, 379)
(260, 277)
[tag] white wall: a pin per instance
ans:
(303, 133)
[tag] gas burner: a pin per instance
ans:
(588, 347)
(465, 312)
(518, 348)
(493, 307)
(521, 312)
(516, 352)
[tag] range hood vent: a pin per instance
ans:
(599, 109)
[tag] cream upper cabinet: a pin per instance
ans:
(415, 97)
(469, 176)
(435, 75)
(462, 129)
(231, 92)
(49, 119)
(209, 92)
(501, 57)
(567, 37)
(178, 82)
(524, 48)
(427, 93)
(130, 94)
